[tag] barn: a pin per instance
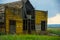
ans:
(21, 18)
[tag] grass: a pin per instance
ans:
(54, 30)
(33, 37)
(28, 37)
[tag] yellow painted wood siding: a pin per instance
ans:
(40, 16)
(17, 18)
(19, 27)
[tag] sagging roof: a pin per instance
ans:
(17, 4)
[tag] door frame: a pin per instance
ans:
(12, 27)
(43, 25)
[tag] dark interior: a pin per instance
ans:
(43, 24)
(28, 23)
(12, 24)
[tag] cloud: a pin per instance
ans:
(55, 19)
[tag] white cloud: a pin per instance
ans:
(55, 19)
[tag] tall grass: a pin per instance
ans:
(28, 37)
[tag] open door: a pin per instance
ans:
(12, 24)
(43, 25)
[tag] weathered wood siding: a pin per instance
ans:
(11, 16)
(40, 16)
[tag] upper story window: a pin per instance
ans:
(2, 10)
(2, 14)
(14, 11)
(1, 17)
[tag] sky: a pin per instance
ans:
(52, 6)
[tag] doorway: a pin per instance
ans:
(43, 25)
(12, 24)
(28, 25)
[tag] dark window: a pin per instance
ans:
(1, 17)
(29, 25)
(14, 11)
(1, 24)
(1, 14)
(32, 24)
(24, 25)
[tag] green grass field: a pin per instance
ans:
(34, 37)
(54, 30)
(28, 37)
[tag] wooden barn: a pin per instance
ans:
(21, 18)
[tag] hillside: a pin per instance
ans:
(54, 25)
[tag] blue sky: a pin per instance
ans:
(52, 6)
